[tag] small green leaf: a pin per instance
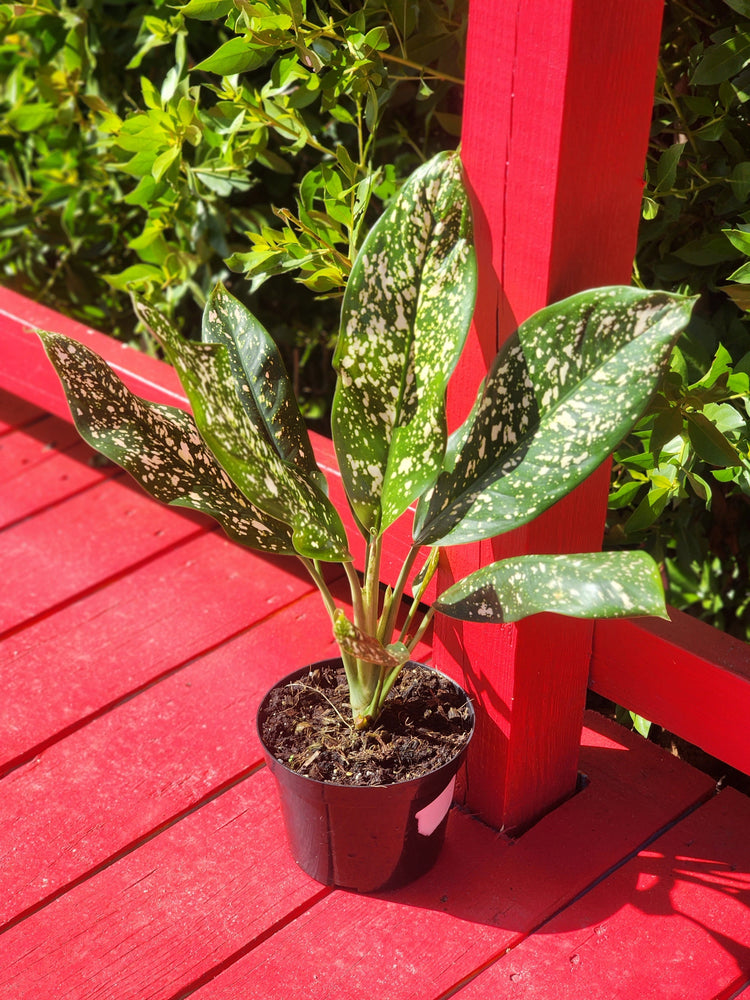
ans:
(739, 238)
(160, 446)
(207, 10)
(710, 443)
(700, 487)
(742, 274)
(648, 510)
(588, 585)
(30, 117)
(666, 169)
(363, 646)
(642, 726)
(624, 495)
(135, 274)
(164, 161)
(723, 60)
(236, 56)
(667, 425)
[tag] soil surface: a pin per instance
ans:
(425, 723)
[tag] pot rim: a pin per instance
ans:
(451, 765)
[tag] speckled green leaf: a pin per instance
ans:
(279, 487)
(405, 316)
(590, 585)
(263, 386)
(160, 446)
(562, 393)
(366, 647)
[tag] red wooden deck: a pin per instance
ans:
(140, 836)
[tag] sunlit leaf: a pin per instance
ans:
(589, 585)
(261, 380)
(405, 316)
(710, 443)
(366, 647)
(207, 10)
(241, 445)
(559, 397)
(160, 446)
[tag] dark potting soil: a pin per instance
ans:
(424, 724)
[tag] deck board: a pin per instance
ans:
(41, 465)
(141, 844)
(672, 923)
(68, 666)
(158, 919)
(484, 895)
(87, 539)
(151, 758)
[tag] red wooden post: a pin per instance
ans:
(556, 117)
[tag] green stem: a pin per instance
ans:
(398, 593)
(372, 583)
(425, 71)
(314, 571)
(425, 624)
(671, 96)
(356, 591)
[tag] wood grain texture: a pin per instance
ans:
(557, 208)
(158, 919)
(69, 666)
(672, 923)
(89, 796)
(682, 674)
(485, 893)
(26, 372)
(80, 544)
(42, 464)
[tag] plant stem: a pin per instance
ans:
(398, 593)
(672, 97)
(423, 70)
(313, 569)
(424, 625)
(372, 583)
(356, 591)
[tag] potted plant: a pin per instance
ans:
(558, 398)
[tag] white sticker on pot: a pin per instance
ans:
(430, 818)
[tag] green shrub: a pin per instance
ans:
(160, 149)
(681, 485)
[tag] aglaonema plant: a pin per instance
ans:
(561, 394)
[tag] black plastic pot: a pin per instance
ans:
(364, 838)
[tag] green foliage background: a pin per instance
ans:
(165, 148)
(681, 484)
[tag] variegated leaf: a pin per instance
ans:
(366, 647)
(562, 393)
(405, 316)
(160, 446)
(590, 585)
(281, 488)
(261, 379)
